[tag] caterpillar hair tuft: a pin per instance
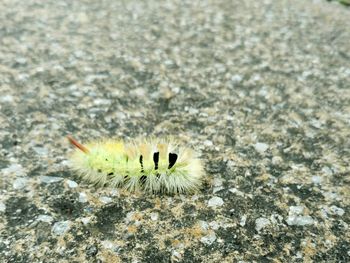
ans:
(152, 165)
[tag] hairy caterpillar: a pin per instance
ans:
(152, 165)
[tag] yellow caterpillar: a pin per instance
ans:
(152, 165)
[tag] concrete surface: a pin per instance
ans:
(259, 88)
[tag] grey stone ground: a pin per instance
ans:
(259, 88)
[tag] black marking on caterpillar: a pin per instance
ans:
(172, 159)
(156, 160)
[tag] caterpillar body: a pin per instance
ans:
(152, 165)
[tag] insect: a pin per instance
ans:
(152, 165)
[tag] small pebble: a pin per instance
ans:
(72, 184)
(316, 179)
(176, 256)
(50, 179)
(204, 225)
(208, 143)
(276, 160)
(40, 151)
(45, 218)
(110, 246)
(20, 183)
(61, 227)
(295, 217)
(2, 207)
(105, 199)
(215, 201)
(327, 171)
(82, 198)
(337, 210)
(261, 147)
(6, 98)
(138, 92)
(217, 181)
(107, 244)
(236, 191)
(101, 102)
(209, 239)
(85, 220)
(114, 192)
(193, 111)
(214, 225)
(154, 216)
(217, 189)
(243, 220)
(299, 220)
(296, 210)
(91, 251)
(261, 223)
(15, 168)
(236, 78)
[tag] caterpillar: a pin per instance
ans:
(151, 165)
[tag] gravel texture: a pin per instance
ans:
(260, 88)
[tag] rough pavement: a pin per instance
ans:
(259, 88)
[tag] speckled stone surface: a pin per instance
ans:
(260, 88)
